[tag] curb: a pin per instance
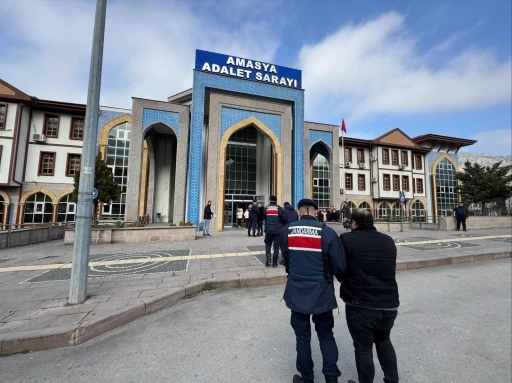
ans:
(72, 335)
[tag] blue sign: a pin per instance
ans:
(248, 69)
(402, 197)
(94, 193)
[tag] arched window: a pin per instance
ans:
(66, 210)
(365, 205)
(1, 211)
(418, 211)
(351, 205)
(384, 210)
(446, 188)
(118, 147)
(38, 209)
(321, 181)
(397, 210)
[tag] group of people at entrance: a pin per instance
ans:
(364, 262)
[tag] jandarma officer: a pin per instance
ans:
(274, 222)
(313, 254)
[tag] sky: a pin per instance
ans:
(441, 67)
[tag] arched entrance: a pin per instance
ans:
(66, 210)
(38, 209)
(320, 182)
(162, 147)
(250, 167)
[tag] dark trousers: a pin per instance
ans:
(367, 327)
(463, 221)
(272, 241)
(252, 226)
(260, 227)
(324, 324)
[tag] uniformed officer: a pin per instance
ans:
(253, 218)
(274, 222)
(313, 254)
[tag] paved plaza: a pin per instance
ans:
(34, 280)
(454, 325)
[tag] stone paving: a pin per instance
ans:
(34, 280)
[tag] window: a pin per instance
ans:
(396, 183)
(47, 164)
(360, 156)
(242, 162)
(51, 125)
(321, 181)
(348, 155)
(385, 156)
(384, 210)
(418, 163)
(394, 157)
(387, 182)
(364, 205)
(405, 158)
(419, 186)
(405, 183)
(397, 209)
(73, 165)
(38, 209)
(118, 146)
(446, 187)
(3, 115)
(66, 209)
(348, 181)
(418, 212)
(77, 129)
(361, 182)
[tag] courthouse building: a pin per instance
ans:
(239, 133)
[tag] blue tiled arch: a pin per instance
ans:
(230, 116)
(152, 116)
(204, 80)
(319, 135)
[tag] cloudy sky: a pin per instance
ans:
(432, 66)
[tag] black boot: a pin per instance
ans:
(274, 263)
(300, 379)
(268, 260)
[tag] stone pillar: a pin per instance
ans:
(55, 206)
(5, 219)
(21, 213)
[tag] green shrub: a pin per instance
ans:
(186, 223)
(120, 224)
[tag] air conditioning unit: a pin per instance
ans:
(38, 137)
(373, 158)
(362, 165)
(401, 166)
(348, 164)
(374, 180)
(342, 191)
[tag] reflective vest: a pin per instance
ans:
(306, 259)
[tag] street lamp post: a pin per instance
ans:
(79, 270)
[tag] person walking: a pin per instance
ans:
(461, 214)
(239, 216)
(313, 256)
(274, 222)
(253, 218)
(346, 211)
(207, 216)
(370, 293)
(261, 218)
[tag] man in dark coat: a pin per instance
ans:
(261, 218)
(253, 218)
(370, 293)
(290, 213)
(313, 255)
(207, 216)
(461, 214)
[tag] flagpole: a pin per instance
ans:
(343, 169)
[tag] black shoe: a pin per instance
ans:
(249, 234)
(274, 264)
(331, 379)
(208, 235)
(267, 263)
(254, 235)
(351, 381)
(300, 379)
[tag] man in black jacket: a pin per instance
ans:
(461, 214)
(370, 293)
(207, 216)
(253, 218)
(261, 218)
(290, 213)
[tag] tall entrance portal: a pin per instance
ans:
(249, 171)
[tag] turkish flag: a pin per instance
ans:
(343, 127)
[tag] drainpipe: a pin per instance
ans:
(15, 150)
